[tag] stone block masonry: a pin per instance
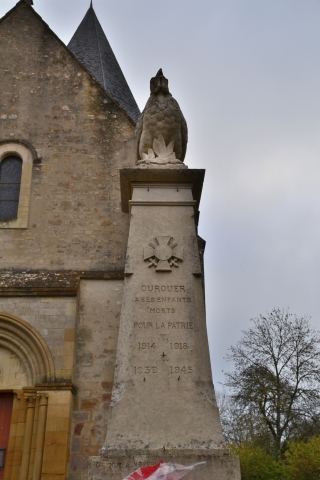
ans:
(55, 320)
(81, 333)
(96, 344)
(81, 136)
(39, 435)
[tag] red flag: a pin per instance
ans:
(161, 471)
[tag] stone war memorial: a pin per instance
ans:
(104, 358)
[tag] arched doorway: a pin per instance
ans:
(27, 373)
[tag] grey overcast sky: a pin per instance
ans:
(247, 75)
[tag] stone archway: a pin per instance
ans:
(27, 348)
(27, 372)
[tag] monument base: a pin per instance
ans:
(220, 465)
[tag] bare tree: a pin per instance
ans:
(241, 425)
(277, 373)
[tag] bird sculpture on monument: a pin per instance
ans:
(161, 131)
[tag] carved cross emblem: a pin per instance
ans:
(163, 253)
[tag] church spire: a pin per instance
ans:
(90, 45)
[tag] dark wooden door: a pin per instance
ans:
(6, 401)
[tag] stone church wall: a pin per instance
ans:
(81, 137)
(81, 333)
(55, 320)
(63, 274)
(97, 336)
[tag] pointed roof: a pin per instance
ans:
(90, 45)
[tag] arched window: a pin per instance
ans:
(10, 180)
(16, 161)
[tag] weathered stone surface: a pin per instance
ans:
(13, 373)
(174, 176)
(162, 133)
(163, 375)
(97, 336)
(38, 283)
(55, 320)
(82, 137)
(219, 466)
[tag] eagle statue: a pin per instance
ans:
(161, 130)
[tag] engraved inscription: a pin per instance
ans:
(161, 310)
(163, 303)
(160, 302)
(143, 325)
(127, 464)
(180, 325)
(160, 325)
(146, 346)
(163, 299)
(145, 370)
(163, 288)
(183, 369)
(164, 325)
(179, 346)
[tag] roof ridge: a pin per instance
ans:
(90, 45)
(100, 56)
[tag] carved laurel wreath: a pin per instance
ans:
(160, 154)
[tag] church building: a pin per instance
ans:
(104, 355)
(67, 122)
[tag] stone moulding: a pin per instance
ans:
(49, 283)
(133, 203)
(129, 176)
(24, 341)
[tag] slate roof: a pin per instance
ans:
(90, 45)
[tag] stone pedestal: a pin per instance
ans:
(219, 464)
(163, 403)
